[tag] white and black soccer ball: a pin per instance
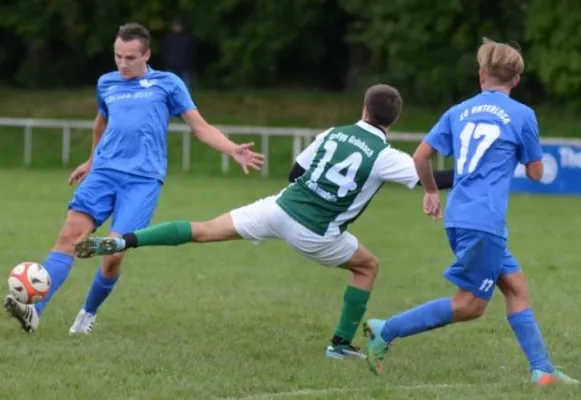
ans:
(28, 282)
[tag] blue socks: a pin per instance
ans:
(431, 315)
(58, 265)
(529, 337)
(99, 291)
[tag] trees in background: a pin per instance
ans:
(424, 47)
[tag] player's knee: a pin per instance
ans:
(368, 267)
(111, 266)
(514, 286)
(466, 307)
(76, 228)
(373, 266)
(217, 230)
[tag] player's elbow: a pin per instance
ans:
(422, 154)
(535, 170)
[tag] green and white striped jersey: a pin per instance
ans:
(344, 169)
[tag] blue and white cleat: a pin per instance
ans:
(99, 246)
(376, 346)
(343, 351)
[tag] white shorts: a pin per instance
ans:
(264, 220)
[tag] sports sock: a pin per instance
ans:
(58, 265)
(431, 315)
(529, 337)
(171, 233)
(99, 291)
(354, 307)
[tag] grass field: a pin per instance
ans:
(239, 321)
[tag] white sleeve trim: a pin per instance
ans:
(393, 165)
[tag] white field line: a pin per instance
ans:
(312, 392)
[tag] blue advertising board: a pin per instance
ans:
(562, 171)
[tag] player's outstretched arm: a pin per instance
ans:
(444, 178)
(214, 138)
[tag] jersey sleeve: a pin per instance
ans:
(529, 149)
(305, 158)
(180, 99)
(393, 165)
(101, 104)
(440, 136)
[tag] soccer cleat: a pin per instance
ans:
(343, 351)
(376, 346)
(99, 246)
(83, 323)
(542, 378)
(26, 314)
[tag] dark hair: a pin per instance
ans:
(134, 31)
(383, 104)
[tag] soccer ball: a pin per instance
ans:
(28, 282)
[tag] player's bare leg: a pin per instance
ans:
(515, 289)
(77, 226)
(364, 267)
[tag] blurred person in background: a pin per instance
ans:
(180, 51)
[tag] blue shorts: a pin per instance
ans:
(131, 200)
(481, 258)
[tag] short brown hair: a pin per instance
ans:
(501, 61)
(134, 31)
(383, 104)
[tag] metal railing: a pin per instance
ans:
(301, 138)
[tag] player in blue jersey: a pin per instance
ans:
(488, 135)
(123, 177)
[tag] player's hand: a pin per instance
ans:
(432, 205)
(79, 173)
(244, 156)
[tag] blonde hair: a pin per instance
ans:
(501, 61)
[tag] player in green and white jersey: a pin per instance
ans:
(332, 183)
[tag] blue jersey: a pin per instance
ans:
(138, 112)
(488, 135)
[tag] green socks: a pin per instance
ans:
(171, 233)
(354, 307)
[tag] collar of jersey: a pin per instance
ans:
(495, 91)
(372, 129)
(149, 71)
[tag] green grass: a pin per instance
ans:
(259, 108)
(235, 320)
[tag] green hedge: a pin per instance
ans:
(426, 48)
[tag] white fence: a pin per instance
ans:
(301, 138)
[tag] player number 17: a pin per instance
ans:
(488, 133)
